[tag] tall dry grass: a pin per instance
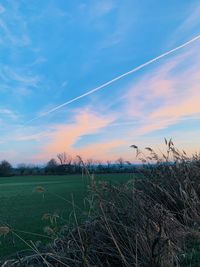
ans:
(148, 222)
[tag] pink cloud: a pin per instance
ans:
(188, 105)
(168, 94)
(102, 151)
(64, 137)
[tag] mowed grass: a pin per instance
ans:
(22, 208)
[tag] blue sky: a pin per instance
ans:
(52, 51)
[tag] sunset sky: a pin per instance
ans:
(52, 51)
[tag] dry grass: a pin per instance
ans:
(147, 222)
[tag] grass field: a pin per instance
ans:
(22, 208)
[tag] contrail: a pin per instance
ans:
(117, 78)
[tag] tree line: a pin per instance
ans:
(65, 164)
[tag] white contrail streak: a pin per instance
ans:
(117, 78)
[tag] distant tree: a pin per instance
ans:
(108, 165)
(5, 168)
(22, 168)
(65, 163)
(120, 162)
(89, 164)
(28, 169)
(99, 165)
(51, 166)
(36, 170)
(63, 158)
(77, 162)
(52, 163)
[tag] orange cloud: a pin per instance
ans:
(64, 137)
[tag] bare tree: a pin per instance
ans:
(64, 158)
(77, 162)
(65, 162)
(99, 165)
(89, 164)
(120, 162)
(108, 165)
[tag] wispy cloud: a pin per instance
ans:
(168, 94)
(196, 38)
(2, 9)
(191, 22)
(9, 37)
(97, 9)
(18, 76)
(8, 113)
(18, 82)
(14, 31)
(65, 137)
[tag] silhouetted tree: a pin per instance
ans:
(108, 165)
(5, 168)
(77, 165)
(99, 165)
(22, 167)
(89, 164)
(120, 162)
(51, 166)
(65, 163)
(64, 158)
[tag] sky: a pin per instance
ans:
(53, 51)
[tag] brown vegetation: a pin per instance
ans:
(147, 222)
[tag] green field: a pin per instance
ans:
(22, 208)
